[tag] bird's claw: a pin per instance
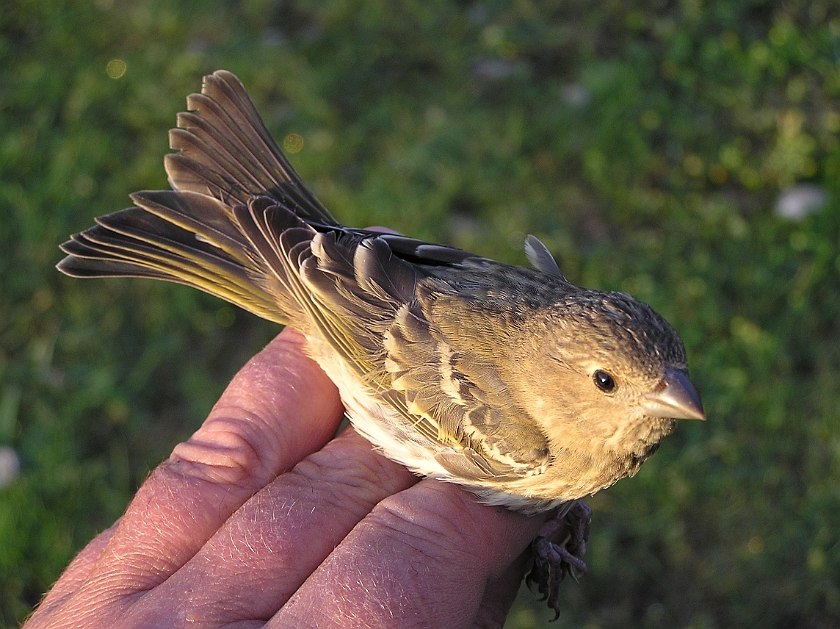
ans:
(557, 552)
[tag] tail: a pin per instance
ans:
(228, 227)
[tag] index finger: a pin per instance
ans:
(277, 410)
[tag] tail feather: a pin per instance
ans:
(86, 258)
(257, 220)
(138, 243)
(137, 231)
(241, 225)
(226, 139)
(235, 200)
(212, 137)
(209, 219)
(186, 174)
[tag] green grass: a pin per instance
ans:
(646, 143)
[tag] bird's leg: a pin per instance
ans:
(557, 551)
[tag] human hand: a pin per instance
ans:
(263, 519)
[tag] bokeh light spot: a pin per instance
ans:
(293, 143)
(116, 68)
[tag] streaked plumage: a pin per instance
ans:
(457, 366)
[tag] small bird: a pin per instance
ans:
(513, 382)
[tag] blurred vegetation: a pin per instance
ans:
(645, 142)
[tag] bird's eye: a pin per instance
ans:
(604, 381)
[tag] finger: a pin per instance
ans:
(279, 408)
(271, 545)
(423, 557)
(500, 594)
(76, 573)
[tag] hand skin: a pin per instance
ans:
(262, 519)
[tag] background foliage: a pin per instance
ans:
(645, 142)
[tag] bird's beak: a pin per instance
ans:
(676, 398)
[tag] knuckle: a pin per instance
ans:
(225, 450)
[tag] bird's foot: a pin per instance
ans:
(557, 551)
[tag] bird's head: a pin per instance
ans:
(609, 370)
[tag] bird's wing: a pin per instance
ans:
(443, 357)
(461, 394)
(370, 303)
